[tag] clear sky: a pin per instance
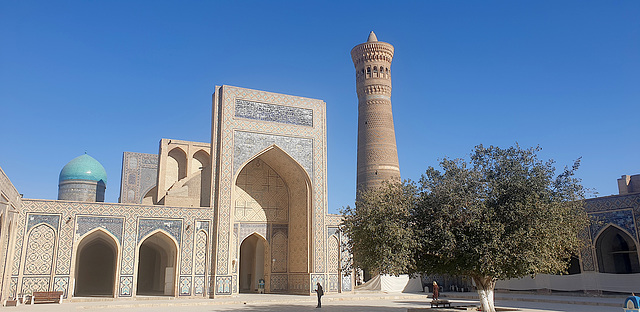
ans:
(107, 77)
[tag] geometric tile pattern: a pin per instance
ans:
(334, 282)
(223, 285)
(201, 253)
(279, 252)
(173, 227)
(261, 194)
(248, 144)
(333, 258)
(88, 223)
(52, 220)
(31, 284)
(622, 218)
(279, 283)
(40, 250)
(253, 134)
(346, 283)
(198, 285)
(139, 173)
(274, 113)
(185, 285)
(126, 283)
(14, 287)
(61, 284)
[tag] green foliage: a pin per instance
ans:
(381, 237)
(503, 214)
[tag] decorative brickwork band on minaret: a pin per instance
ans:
(377, 152)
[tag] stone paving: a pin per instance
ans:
(359, 302)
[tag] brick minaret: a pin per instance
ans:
(377, 152)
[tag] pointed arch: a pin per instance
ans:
(157, 264)
(176, 167)
(39, 254)
(96, 264)
(201, 160)
(299, 187)
(253, 262)
(616, 251)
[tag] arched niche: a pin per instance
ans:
(297, 184)
(176, 167)
(157, 260)
(96, 265)
(253, 262)
(617, 251)
(200, 161)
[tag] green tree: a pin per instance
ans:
(381, 238)
(504, 214)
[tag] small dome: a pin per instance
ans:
(83, 167)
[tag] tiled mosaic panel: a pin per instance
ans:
(246, 229)
(333, 282)
(279, 251)
(261, 194)
(223, 285)
(61, 284)
(126, 285)
(112, 225)
(346, 283)
(333, 260)
(71, 209)
(171, 226)
(274, 113)
(52, 220)
(139, 173)
(40, 250)
(31, 284)
(198, 285)
(279, 283)
(185, 285)
(622, 218)
(318, 278)
(13, 287)
(587, 259)
(224, 103)
(200, 260)
(299, 283)
(186, 259)
(248, 144)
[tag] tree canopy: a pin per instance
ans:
(502, 214)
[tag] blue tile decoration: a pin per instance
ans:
(113, 225)
(198, 285)
(185, 285)
(622, 218)
(50, 219)
(334, 282)
(274, 113)
(248, 144)
(223, 285)
(126, 283)
(346, 283)
(171, 226)
(61, 283)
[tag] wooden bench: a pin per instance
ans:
(46, 297)
(440, 302)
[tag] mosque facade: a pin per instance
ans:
(214, 219)
(194, 220)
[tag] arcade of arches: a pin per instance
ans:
(617, 252)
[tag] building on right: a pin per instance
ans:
(377, 151)
(610, 262)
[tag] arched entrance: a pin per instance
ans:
(157, 260)
(617, 252)
(252, 263)
(96, 262)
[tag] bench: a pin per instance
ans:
(440, 303)
(46, 297)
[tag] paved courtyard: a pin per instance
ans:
(339, 303)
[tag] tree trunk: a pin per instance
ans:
(485, 286)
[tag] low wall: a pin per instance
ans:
(625, 283)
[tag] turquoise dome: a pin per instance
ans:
(83, 167)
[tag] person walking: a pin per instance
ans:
(320, 294)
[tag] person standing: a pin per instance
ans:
(436, 291)
(320, 293)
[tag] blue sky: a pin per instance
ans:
(112, 76)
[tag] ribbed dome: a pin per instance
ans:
(83, 167)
